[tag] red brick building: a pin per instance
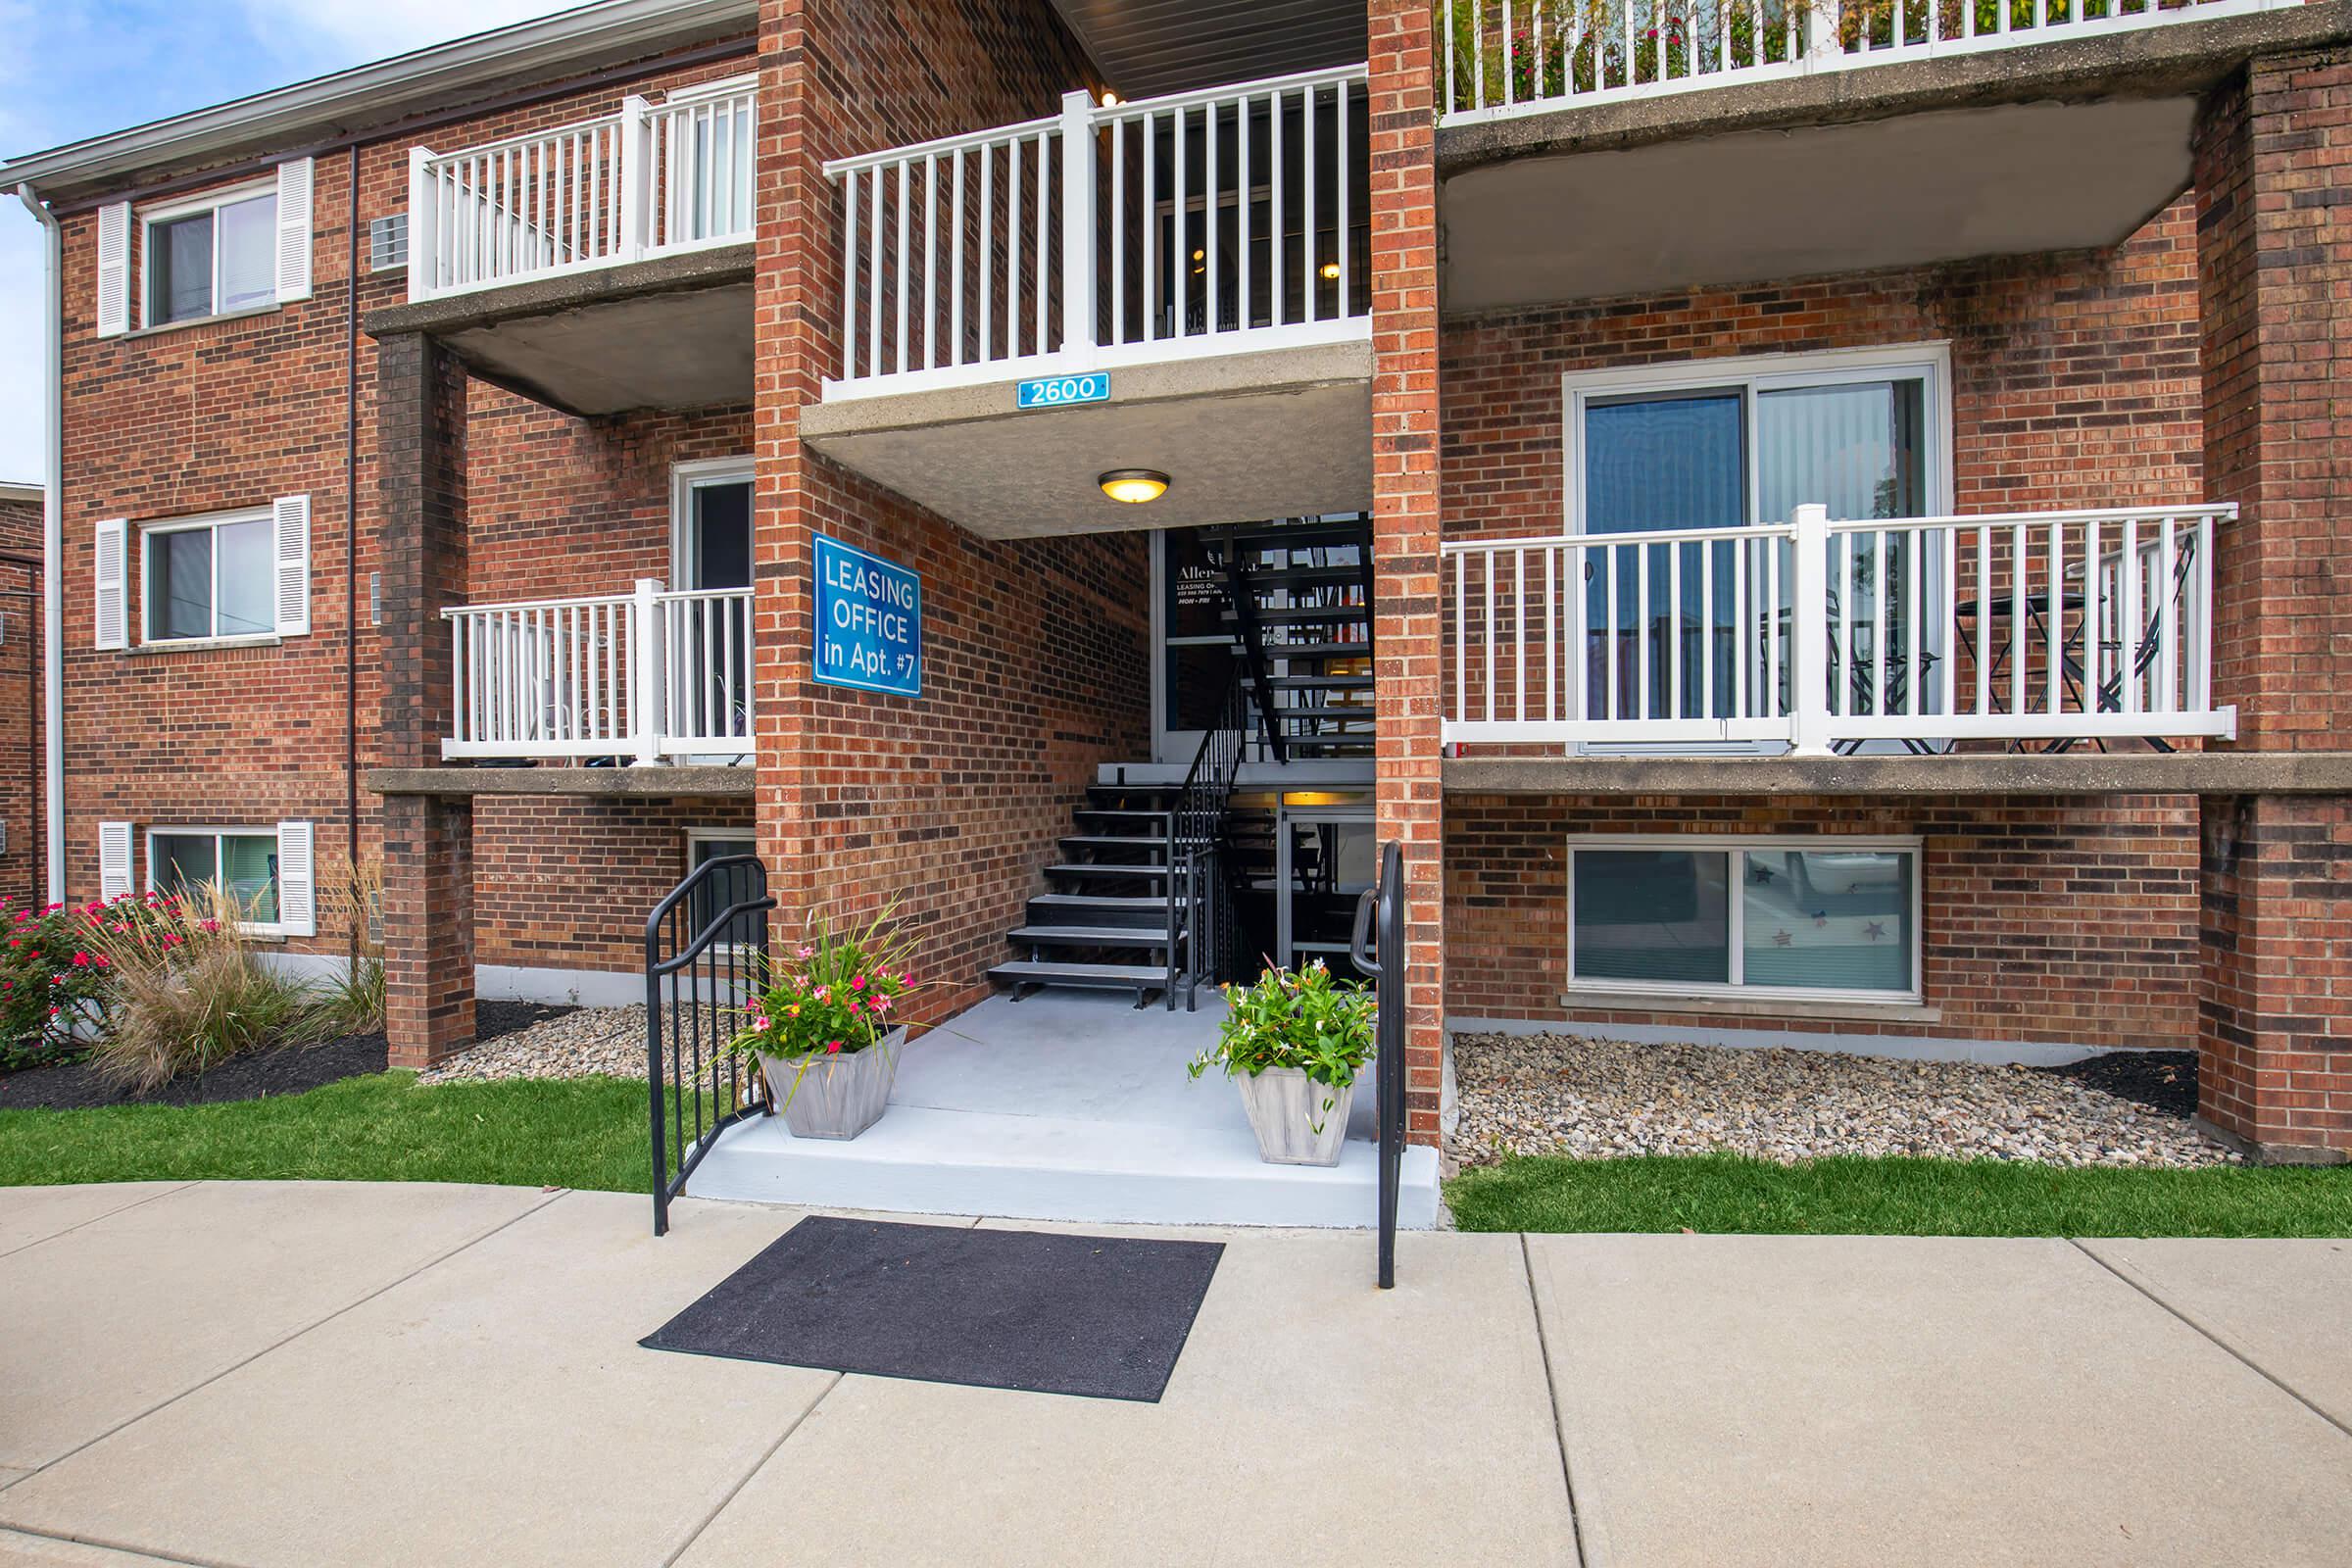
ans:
(22, 869)
(1814, 532)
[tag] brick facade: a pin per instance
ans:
(2274, 157)
(24, 875)
(1036, 654)
(2048, 920)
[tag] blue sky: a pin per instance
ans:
(82, 67)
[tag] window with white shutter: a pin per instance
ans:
(294, 180)
(113, 270)
(290, 516)
(114, 861)
(111, 615)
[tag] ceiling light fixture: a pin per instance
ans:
(1134, 486)
(1331, 271)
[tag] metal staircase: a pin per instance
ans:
(1141, 896)
(1299, 599)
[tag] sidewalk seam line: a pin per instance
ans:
(758, 1465)
(1551, 1393)
(282, 1343)
(2236, 1354)
(126, 1209)
(112, 1546)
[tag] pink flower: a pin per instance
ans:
(881, 1004)
(209, 926)
(807, 951)
(759, 1022)
(857, 984)
(832, 1047)
(820, 994)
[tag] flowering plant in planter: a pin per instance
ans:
(1294, 1043)
(827, 1005)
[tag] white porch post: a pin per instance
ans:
(648, 644)
(1809, 634)
(1080, 158)
(636, 152)
(424, 225)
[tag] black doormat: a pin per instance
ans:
(1101, 1316)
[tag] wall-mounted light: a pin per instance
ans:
(1111, 100)
(1134, 486)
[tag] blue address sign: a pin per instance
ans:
(1060, 391)
(869, 622)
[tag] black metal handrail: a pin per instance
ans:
(1196, 819)
(1212, 922)
(707, 974)
(1384, 902)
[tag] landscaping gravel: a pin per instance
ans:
(588, 1043)
(1596, 1098)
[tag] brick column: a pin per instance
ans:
(428, 842)
(2273, 158)
(1405, 516)
(793, 297)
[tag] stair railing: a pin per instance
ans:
(1377, 945)
(1253, 645)
(706, 953)
(1196, 820)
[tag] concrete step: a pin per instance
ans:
(922, 1160)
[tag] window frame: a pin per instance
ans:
(1740, 845)
(149, 218)
(254, 928)
(1748, 374)
(696, 837)
(215, 520)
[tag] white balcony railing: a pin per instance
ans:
(648, 676)
(1204, 223)
(1499, 57)
(1824, 635)
(651, 179)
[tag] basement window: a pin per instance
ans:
(185, 861)
(1835, 918)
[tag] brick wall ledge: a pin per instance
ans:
(646, 783)
(2178, 58)
(2077, 772)
(1750, 1006)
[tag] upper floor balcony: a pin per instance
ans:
(1508, 57)
(600, 266)
(1824, 636)
(1589, 149)
(1187, 275)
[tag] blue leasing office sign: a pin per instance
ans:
(869, 622)
(1060, 391)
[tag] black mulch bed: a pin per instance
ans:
(287, 1071)
(2161, 1080)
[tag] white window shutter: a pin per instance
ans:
(112, 615)
(297, 881)
(294, 229)
(114, 861)
(291, 517)
(113, 270)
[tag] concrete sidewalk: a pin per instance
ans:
(308, 1373)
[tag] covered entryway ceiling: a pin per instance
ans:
(1148, 47)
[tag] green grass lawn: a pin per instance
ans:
(1857, 1195)
(587, 1132)
(591, 1133)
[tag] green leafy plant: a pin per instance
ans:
(55, 983)
(1295, 1018)
(831, 993)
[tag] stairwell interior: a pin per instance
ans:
(1183, 871)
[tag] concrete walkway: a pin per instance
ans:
(305, 1374)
